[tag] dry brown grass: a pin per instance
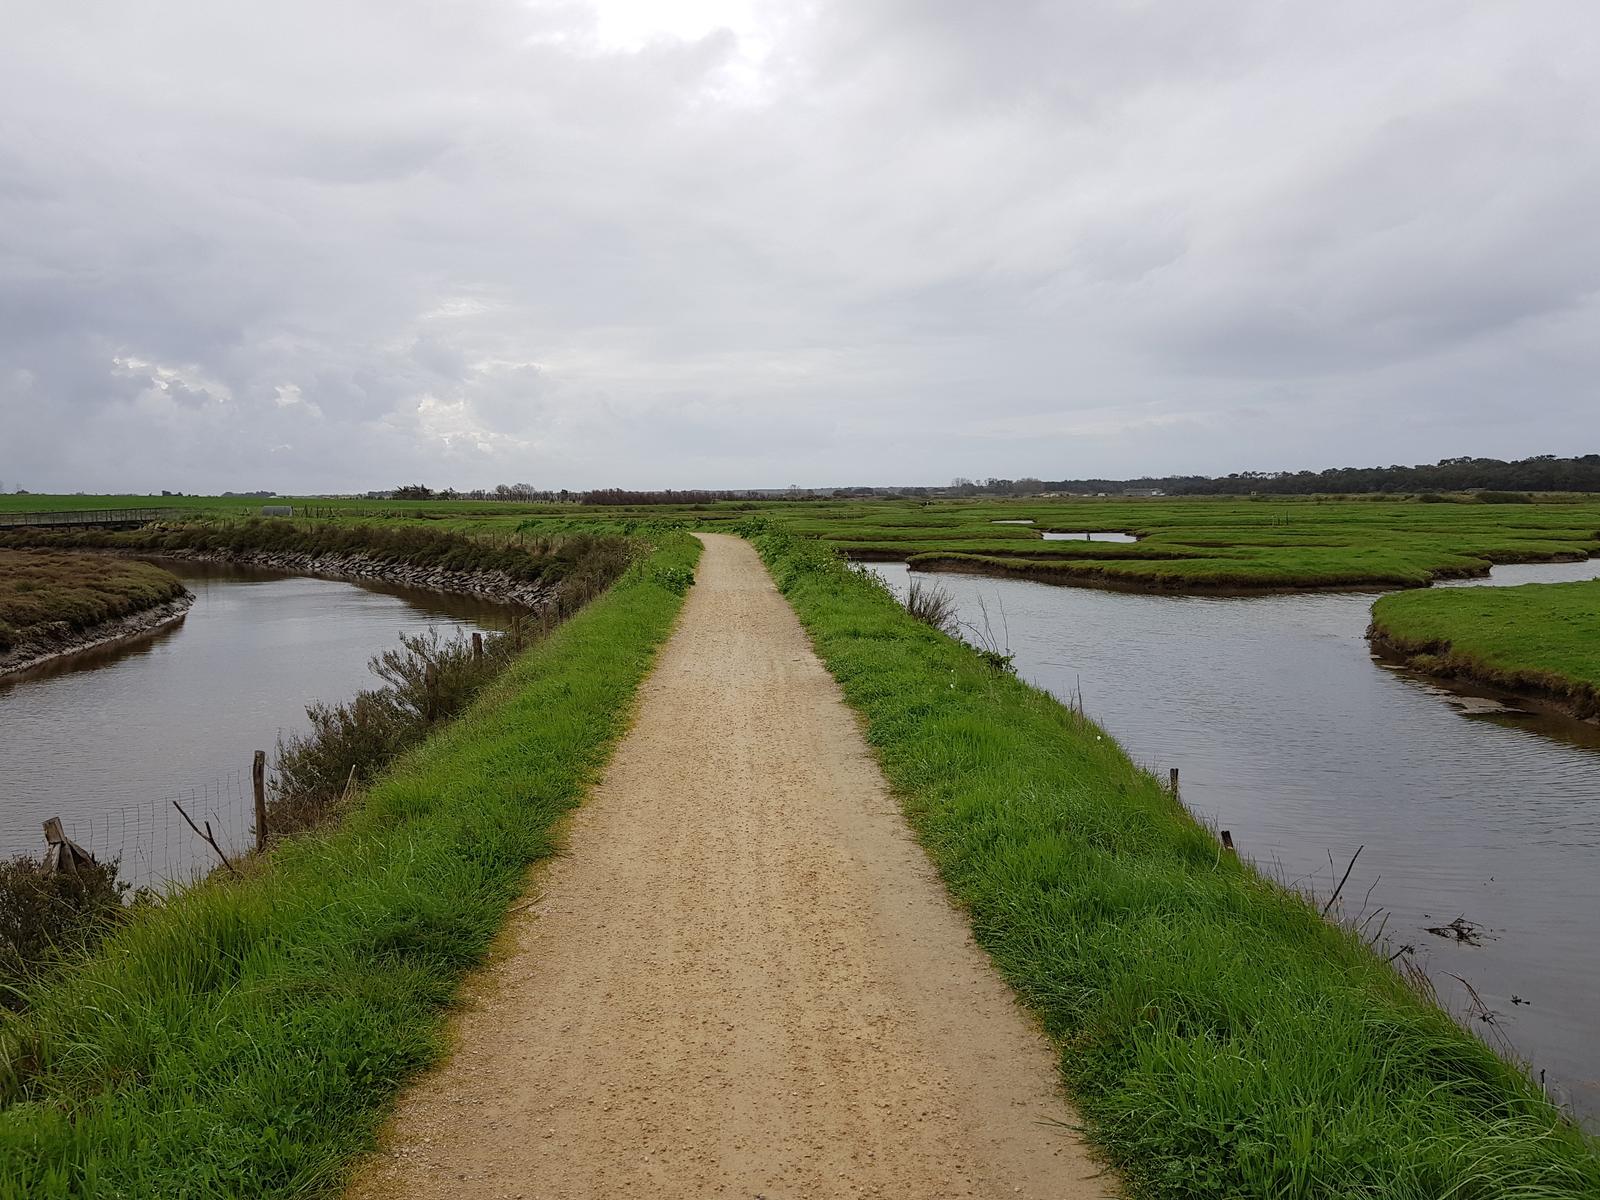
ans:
(49, 593)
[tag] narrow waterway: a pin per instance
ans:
(1289, 734)
(108, 740)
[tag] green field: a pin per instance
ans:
(1541, 638)
(244, 1037)
(45, 593)
(1220, 1038)
(1191, 544)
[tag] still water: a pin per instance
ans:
(106, 741)
(1289, 734)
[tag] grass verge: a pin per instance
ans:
(1220, 1038)
(244, 1038)
(1540, 639)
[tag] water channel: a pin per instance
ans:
(107, 740)
(1289, 734)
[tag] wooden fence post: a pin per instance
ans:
(258, 780)
(1172, 778)
(477, 647)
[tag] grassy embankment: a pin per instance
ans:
(45, 596)
(1221, 1039)
(243, 1038)
(1540, 639)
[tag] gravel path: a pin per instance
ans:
(743, 979)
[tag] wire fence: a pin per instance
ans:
(152, 843)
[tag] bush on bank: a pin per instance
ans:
(1219, 1037)
(243, 1038)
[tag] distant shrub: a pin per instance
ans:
(1504, 498)
(1432, 498)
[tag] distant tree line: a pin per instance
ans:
(1542, 473)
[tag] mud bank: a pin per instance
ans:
(60, 641)
(1440, 660)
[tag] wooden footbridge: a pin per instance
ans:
(97, 518)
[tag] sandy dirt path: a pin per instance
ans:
(744, 978)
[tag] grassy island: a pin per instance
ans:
(44, 595)
(1540, 639)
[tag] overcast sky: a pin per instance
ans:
(335, 246)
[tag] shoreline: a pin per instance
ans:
(495, 586)
(33, 653)
(1438, 660)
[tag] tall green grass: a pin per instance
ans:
(244, 1038)
(1219, 1037)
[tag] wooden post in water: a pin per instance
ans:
(258, 783)
(1172, 779)
(477, 647)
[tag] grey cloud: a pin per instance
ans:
(789, 243)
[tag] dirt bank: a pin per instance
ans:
(63, 642)
(743, 979)
(1570, 698)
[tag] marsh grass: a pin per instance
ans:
(572, 560)
(44, 594)
(1220, 1038)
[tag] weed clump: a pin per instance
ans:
(46, 919)
(932, 605)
